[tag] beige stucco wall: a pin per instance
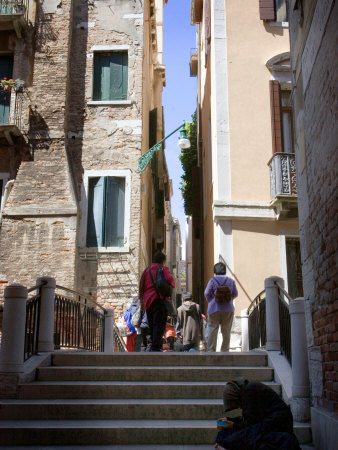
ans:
(250, 44)
(257, 255)
(254, 247)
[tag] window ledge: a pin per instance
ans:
(92, 252)
(279, 24)
(108, 102)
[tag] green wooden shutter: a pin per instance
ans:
(6, 70)
(101, 76)
(118, 75)
(95, 222)
(97, 77)
(110, 76)
(115, 212)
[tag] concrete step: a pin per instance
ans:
(108, 447)
(154, 373)
(131, 409)
(303, 432)
(117, 432)
(123, 389)
(253, 358)
(122, 447)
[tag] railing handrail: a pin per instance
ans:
(254, 301)
(280, 154)
(37, 286)
(286, 294)
(81, 294)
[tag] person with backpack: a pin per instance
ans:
(154, 291)
(220, 293)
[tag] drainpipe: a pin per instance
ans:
(7, 191)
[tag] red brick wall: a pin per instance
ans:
(314, 96)
(325, 325)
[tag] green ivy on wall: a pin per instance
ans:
(188, 158)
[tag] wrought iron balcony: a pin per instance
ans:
(14, 14)
(193, 62)
(12, 108)
(284, 184)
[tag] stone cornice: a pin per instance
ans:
(227, 210)
(39, 211)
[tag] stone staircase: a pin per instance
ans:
(129, 400)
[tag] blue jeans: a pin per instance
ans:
(190, 348)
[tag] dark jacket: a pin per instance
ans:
(189, 323)
(266, 424)
(261, 404)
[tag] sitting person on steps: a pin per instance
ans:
(266, 421)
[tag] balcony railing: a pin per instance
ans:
(16, 13)
(283, 174)
(12, 108)
(193, 62)
(9, 7)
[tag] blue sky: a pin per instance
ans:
(179, 95)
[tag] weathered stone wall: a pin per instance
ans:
(102, 137)
(313, 31)
(38, 230)
(68, 135)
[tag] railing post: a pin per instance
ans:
(245, 330)
(272, 312)
(109, 331)
(13, 329)
(300, 404)
(46, 325)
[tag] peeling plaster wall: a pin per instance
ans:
(68, 136)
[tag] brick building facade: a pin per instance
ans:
(313, 36)
(78, 209)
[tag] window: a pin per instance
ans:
(287, 122)
(110, 76)
(281, 9)
(294, 267)
(6, 69)
(106, 203)
(291, 265)
(274, 10)
(105, 206)
(281, 118)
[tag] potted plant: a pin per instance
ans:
(7, 84)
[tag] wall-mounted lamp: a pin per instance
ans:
(183, 142)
